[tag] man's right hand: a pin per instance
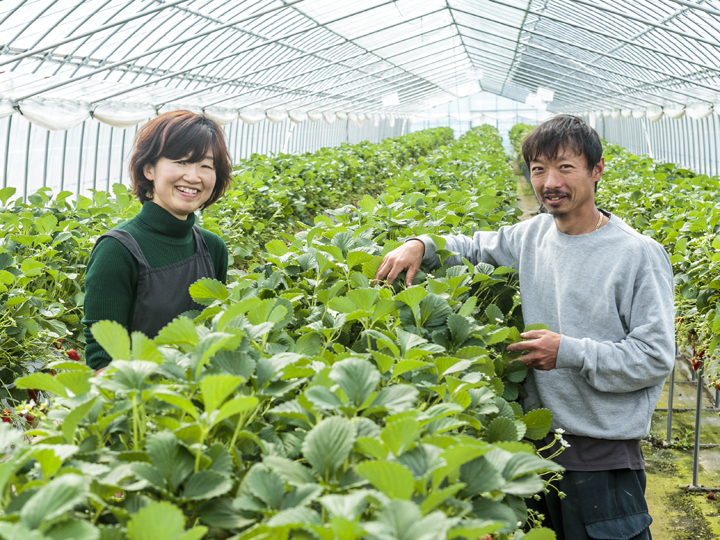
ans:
(406, 257)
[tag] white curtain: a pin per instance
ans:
(6, 108)
(277, 115)
(654, 113)
(298, 116)
(168, 107)
(696, 111)
(221, 115)
(122, 115)
(674, 111)
(252, 116)
(56, 114)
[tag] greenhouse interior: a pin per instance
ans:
(383, 270)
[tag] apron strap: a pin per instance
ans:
(126, 239)
(200, 245)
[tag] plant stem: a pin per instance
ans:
(136, 421)
(199, 451)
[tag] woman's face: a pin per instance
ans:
(181, 187)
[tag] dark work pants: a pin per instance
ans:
(604, 505)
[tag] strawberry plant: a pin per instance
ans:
(517, 135)
(304, 401)
(678, 208)
(46, 241)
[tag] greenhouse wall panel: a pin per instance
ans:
(93, 155)
(691, 143)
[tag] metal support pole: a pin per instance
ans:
(671, 392)
(80, 157)
(7, 150)
(698, 410)
(27, 162)
(47, 157)
(97, 151)
(112, 130)
(122, 153)
(62, 168)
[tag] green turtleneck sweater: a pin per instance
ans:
(112, 272)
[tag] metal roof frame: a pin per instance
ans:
(306, 53)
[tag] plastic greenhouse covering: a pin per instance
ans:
(373, 66)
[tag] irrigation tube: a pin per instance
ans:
(698, 411)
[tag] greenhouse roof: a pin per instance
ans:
(123, 60)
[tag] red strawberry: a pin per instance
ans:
(72, 354)
(696, 362)
(34, 395)
(58, 343)
(5, 416)
(711, 496)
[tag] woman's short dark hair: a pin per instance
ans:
(178, 135)
(563, 131)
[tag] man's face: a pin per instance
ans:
(564, 185)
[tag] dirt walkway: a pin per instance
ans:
(525, 197)
(678, 514)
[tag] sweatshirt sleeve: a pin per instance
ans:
(110, 288)
(646, 356)
(492, 247)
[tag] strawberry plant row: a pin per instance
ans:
(680, 210)
(305, 401)
(517, 135)
(45, 242)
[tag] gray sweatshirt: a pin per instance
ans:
(609, 294)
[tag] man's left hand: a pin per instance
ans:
(542, 349)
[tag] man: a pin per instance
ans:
(606, 293)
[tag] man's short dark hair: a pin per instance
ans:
(563, 131)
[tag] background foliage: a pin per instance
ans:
(679, 209)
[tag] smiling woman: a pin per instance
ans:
(139, 272)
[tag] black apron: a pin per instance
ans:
(162, 293)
